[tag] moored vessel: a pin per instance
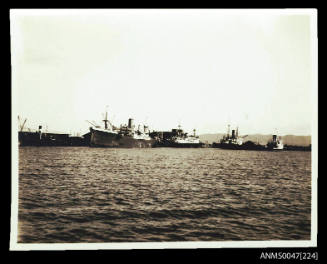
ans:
(233, 141)
(40, 137)
(275, 143)
(126, 136)
(177, 138)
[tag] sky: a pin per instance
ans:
(198, 68)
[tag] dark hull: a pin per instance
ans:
(238, 147)
(179, 145)
(47, 139)
(297, 148)
(111, 140)
(29, 139)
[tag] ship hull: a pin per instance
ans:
(48, 139)
(238, 147)
(113, 140)
(29, 139)
(275, 147)
(178, 145)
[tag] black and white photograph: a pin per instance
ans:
(163, 128)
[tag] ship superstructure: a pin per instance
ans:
(177, 138)
(182, 139)
(275, 144)
(233, 139)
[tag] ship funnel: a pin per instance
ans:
(233, 133)
(274, 138)
(105, 120)
(130, 123)
(40, 132)
(145, 129)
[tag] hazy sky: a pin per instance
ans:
(202, 69)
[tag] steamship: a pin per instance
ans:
(40, 137)
(125, 136)
(230, 141)
(234, 141)
(275, 144)
(177, 138)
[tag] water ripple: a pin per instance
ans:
(77, 194)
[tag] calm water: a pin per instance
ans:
(81, 194)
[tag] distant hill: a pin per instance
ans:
(261, 139)
(210, 137)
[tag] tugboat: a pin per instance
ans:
(126, 136)
(275, 144)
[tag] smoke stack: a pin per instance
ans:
(233, 133)
(130, 123)
(40, 132)
(274, 138)
(106, 121)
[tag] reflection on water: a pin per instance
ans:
(81, 194)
